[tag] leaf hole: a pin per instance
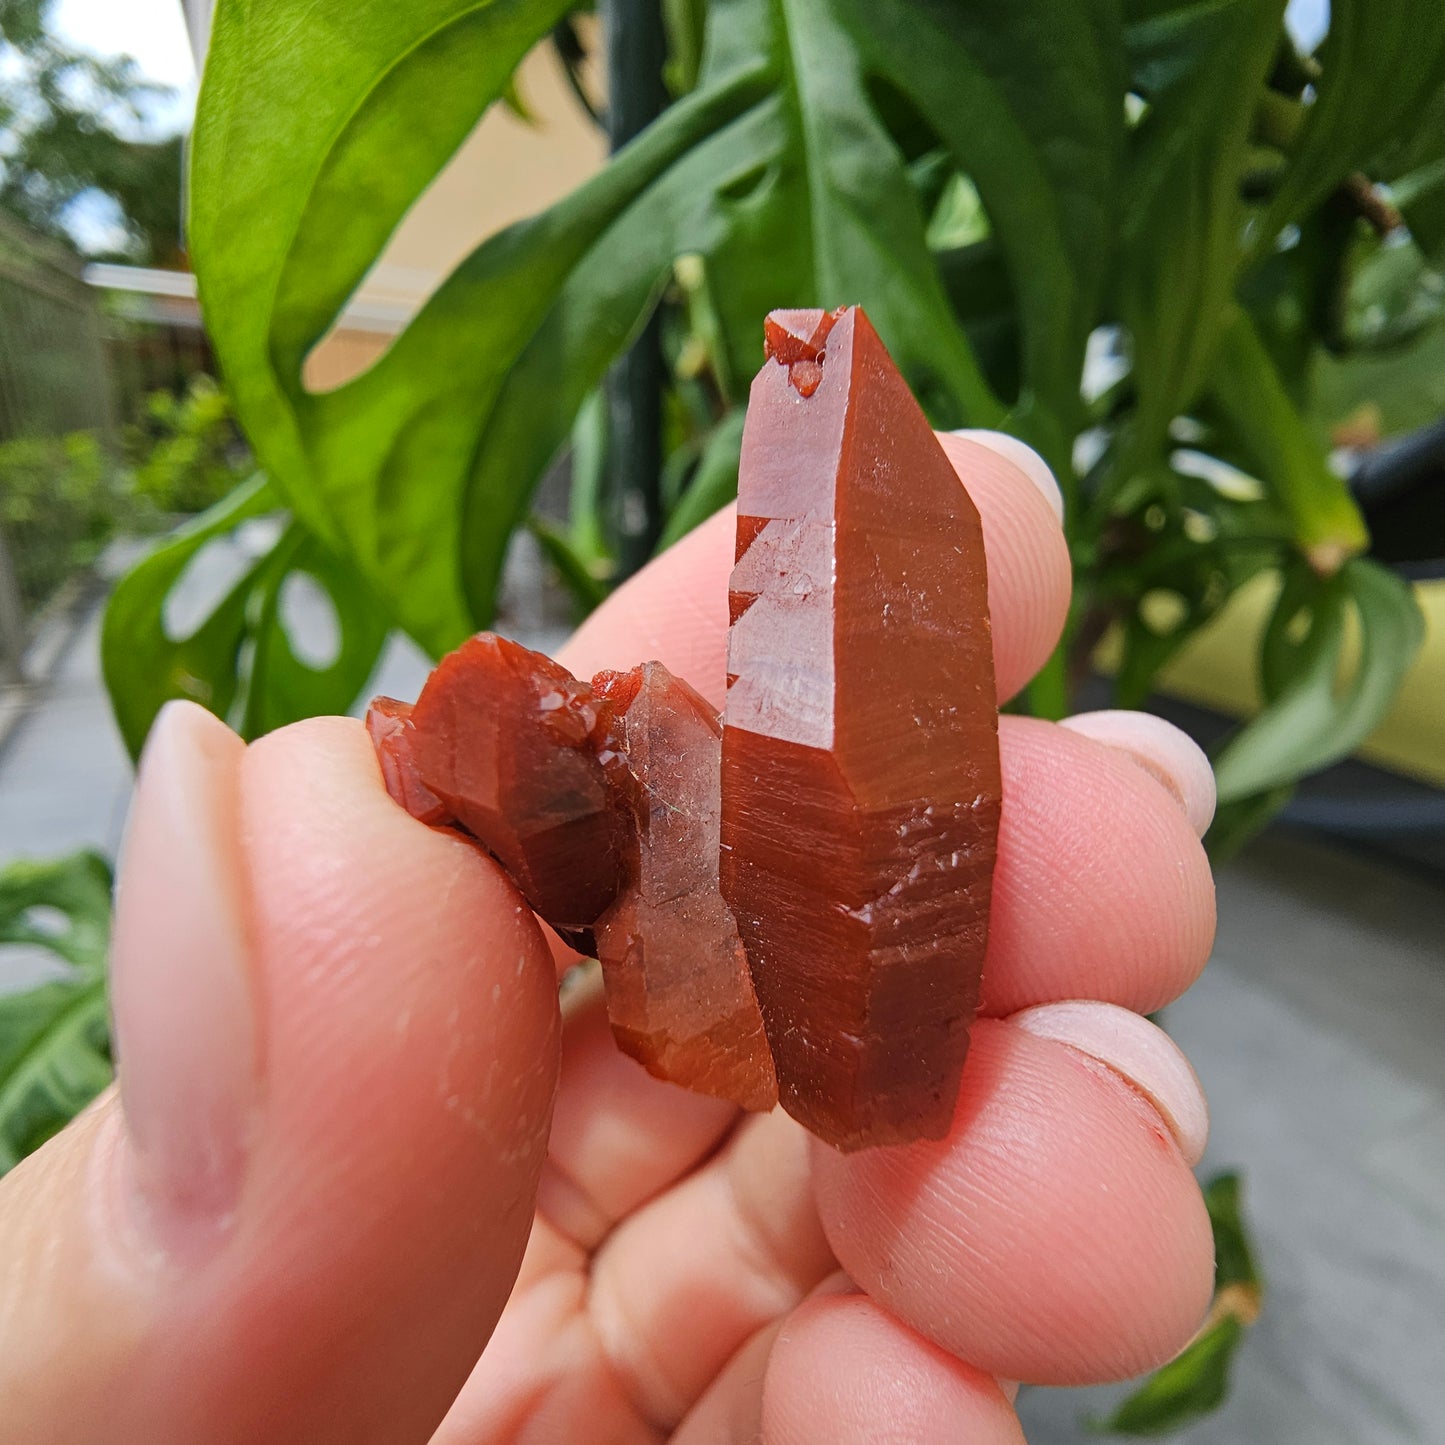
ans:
(1299, 626)
(211, 573)
(309, 619)
(1163, 611)
(46, 920)
(746, 183)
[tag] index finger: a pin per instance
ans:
(675, 610)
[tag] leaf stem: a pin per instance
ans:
(1326, 524)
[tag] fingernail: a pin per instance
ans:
(1025, 458)
(184, 1017)
(1162, 750)
(1138, 1051)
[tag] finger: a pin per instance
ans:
(675, 610)
(730, 1411)
(844, 1371)
(338, 1046)
(619, 1136)
(1056, 1236)
(670, 1297)
(1101, 889)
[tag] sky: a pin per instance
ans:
(152, 31)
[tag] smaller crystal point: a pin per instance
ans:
(389, 723)
(679, 992)
(505, 738)
(797, 339)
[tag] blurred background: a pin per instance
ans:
(1197, 264)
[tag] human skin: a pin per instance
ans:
(350, 1108)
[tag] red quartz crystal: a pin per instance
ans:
(679, 993)
(794, 906)
(860, 774)
(504, 737)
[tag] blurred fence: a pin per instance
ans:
(54, 382)
(80, 352)
(53, 374)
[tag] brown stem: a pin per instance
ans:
(1368, 200)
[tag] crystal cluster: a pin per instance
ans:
(791, 904)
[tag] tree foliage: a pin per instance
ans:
(72, 125)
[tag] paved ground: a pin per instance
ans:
(1316, 1031)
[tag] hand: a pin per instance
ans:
(340, 1123)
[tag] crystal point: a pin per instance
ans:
(860, 777)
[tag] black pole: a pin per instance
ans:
(636, 96)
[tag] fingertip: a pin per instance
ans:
(1101, 888)
(1029, 571)
(844, 1370)
(674, 611)
(1140, 1052)
(1165, 752)
(1056, 1236)
(1024, 457)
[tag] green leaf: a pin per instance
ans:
(1405, 385)
(318, 126)
(1421, 199)
(1168, 40)
(1182, 234)
(714, 483)
(1280, 447)
(1382, 65)
(1236, 822)
(283, 683)
(240, 662)
(1314, 719)
(1029, 100)
(54, 1038)
(1234, 1262)
(1189, 1386)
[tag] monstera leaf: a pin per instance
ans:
(319, 124)
(54, 1038)
(241, 660)
(1182, 236)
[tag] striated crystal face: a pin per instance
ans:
(860, 778)
(679, 993)
(601, 801)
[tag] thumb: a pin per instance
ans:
(338, 1046)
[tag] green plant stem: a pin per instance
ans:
(1277, 120)
(1327, 525)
